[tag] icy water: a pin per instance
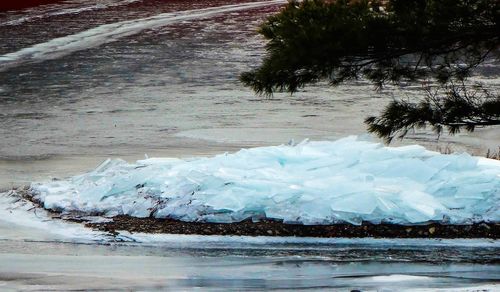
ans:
(81, 81)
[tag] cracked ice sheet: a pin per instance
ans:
(348, 180)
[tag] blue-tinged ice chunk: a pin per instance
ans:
(462, 162)
(225, 201)
(492, 214)
(352, 218)
(413, 169)
(359, 203)
(475, 191)
(286, 197)
(313, 213)
(386, 204)
(440, 161)
(347, 180)
(419, 206)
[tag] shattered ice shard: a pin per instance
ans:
(348, 180)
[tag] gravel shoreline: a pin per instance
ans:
(275, 228)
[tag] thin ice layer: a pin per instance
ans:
(348, 180)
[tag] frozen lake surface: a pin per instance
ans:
(82, 81)
(41, 254)
(63, 266)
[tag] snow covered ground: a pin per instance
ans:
(347, 180)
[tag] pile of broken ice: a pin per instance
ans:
(348, 180)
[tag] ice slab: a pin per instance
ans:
(323, 182)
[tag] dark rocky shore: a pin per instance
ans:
(276, 228)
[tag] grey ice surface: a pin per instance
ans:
(209, 264)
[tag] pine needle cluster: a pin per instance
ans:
(436, 42)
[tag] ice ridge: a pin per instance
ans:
(347, 180)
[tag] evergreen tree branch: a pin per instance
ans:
(442, 41)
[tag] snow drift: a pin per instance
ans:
(348, 180)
